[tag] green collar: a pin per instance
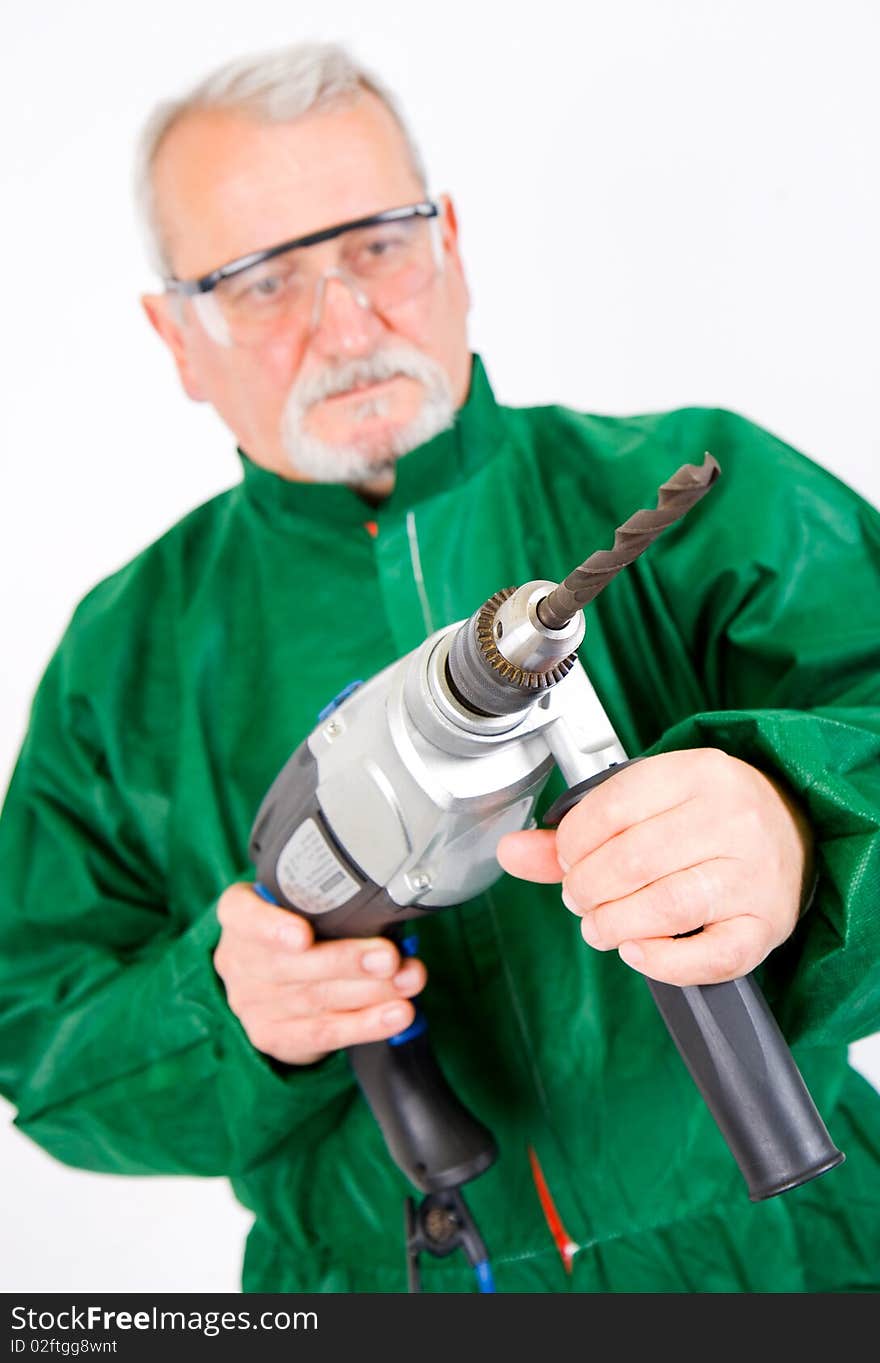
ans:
(441, 463)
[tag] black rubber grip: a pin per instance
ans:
(431, 1136)
(741, 1063)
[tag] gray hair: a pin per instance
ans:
(277, 87)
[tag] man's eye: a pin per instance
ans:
(380, 250)
(261, 290)
(267, 286)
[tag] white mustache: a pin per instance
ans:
(375, 368)
(314, 459)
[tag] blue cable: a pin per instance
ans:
(485, 1281)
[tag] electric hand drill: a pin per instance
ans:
(393, 807)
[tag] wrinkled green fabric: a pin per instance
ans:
(182, 685)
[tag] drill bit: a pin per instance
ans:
(675, 497)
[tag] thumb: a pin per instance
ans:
(530, 855)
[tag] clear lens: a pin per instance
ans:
(209, 313)
(386, 264)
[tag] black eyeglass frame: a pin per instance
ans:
(207, 282)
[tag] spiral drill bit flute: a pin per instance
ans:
(392, 809)
(676, 496)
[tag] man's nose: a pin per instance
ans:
(343, 322)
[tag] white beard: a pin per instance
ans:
(321, 462)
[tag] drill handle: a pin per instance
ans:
(741, 1063)
(431, 1136)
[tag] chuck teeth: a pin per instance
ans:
(513, 675)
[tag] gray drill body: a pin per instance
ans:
(416, 789)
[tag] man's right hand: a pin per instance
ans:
(299, 999)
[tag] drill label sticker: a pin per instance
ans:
(311, 874)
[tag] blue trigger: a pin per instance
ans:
(415, 1028)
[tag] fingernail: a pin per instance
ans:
(631, 953)
(588, 930)
(378, 962)
(569, 902)
(395, 1016)
(292, 937)
(406, 978)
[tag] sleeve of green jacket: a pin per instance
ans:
(776, 600)
(116, 1042)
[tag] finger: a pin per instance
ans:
(660, 846)
(351, 958)
(724, 951)
(636, 793)
(303, 1041)
(530, 855)
(244, 914)
(682, 902)
(348, 958)
(341, 996)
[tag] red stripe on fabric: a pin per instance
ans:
(563, 1241)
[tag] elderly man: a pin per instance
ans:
(159, 1017)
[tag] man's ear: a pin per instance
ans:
(160, 310)
(449, 224)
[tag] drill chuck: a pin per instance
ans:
(504, 656)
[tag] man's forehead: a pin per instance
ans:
(226, 183)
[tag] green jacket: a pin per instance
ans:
(186, 679)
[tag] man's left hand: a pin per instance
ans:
(674, 843)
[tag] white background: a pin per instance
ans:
(662, 204)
